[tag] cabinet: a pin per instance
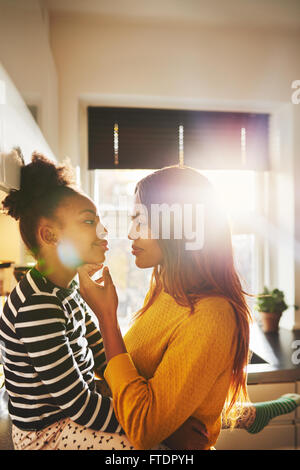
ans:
(298, 436)
(265, 392)
(298, 410)
(10, 166)
(17, 129)
(283, 432)
(298, 419)
(275, 437)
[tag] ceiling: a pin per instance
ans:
(260, 13)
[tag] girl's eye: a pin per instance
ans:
(91, 222)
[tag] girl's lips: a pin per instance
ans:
(103, 245)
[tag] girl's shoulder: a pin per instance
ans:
(34, 293)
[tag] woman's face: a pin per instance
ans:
(145, 248)
(81, 235)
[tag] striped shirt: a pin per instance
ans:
(51, 345)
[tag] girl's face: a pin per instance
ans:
(81, 235)
(145, 248)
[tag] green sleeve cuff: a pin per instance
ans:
(119, 370)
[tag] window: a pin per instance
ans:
(111, 188)
(146, 138)
(230, 148)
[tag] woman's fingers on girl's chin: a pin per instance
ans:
(89, 268)
(92, 272)
(95, 268)
(107, 276)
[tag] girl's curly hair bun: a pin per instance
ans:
(38, 179)
(12, 204)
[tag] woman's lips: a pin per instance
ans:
(136, 251)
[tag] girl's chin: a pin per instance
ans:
(95, 259)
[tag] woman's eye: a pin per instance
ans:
(142, 222)
(89, 222)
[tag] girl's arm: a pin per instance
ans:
(41, 326)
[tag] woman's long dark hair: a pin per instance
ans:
(191, 275)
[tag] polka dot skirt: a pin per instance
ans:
(67, 435)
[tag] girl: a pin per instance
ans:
(51, 344)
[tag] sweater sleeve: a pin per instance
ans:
(151, 410)
(41, 326)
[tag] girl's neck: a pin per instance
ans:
(57, 273)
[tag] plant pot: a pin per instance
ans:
(270, 321)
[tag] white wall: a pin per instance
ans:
(134, 62)
(102, 56)
(26, 63)
(17, 125)
(27, 58)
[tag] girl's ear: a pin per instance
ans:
(47, 235)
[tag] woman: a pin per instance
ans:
(191, 338)
(51, 344)
(187, 351)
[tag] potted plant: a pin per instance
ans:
(270, 304)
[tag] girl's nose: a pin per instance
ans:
(101, 231)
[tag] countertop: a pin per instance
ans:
(278, 354)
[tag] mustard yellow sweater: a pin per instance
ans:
(178, 365)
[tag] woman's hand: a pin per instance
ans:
(192, 435)
(102, 299)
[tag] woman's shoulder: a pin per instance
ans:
(213, 320)
(213, 301)
(215, 308)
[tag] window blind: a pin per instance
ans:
(138, 138)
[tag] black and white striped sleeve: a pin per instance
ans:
(95, 340)
(41, 326)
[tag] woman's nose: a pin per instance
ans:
(131, 237)
(133, 234)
